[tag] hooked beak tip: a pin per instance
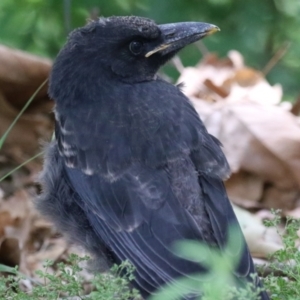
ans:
(212, 30)
(178, 35)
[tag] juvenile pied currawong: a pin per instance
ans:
(132, 168)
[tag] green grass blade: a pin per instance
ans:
(7, 269)
(21, 165)
(3, 138)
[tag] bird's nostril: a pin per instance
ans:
(171, 34)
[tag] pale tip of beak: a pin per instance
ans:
(159, 48)
(212, 30)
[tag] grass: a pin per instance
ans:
(66, 282)
(286, 262)
(6, 133)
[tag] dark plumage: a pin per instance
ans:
(132, 168)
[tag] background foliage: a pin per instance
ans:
(256, 28)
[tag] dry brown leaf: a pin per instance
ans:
(208, 71)
(295, 108)
(261, 138)
(10, 252)
(15, 227)
(285, 199)
(215, 80)
(20, 75)
(52, 249)
(261, 241)
(245, 189)
(295, 213)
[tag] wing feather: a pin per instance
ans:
(147, 243)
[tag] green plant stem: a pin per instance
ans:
(3, 138)
(21, 165)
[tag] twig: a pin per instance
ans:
(276, 270)
(202, 48)
(67, 16)
(296, 107)
(276, 58)
(94, 14)
(177, 63)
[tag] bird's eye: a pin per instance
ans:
(136, 47)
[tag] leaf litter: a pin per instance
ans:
(259, 132)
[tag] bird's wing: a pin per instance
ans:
(139, 219)
(116, 166)
(116, 160)
(212, 167)
(222, 219)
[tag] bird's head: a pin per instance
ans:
(133, 48)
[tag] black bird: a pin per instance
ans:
(132, 168)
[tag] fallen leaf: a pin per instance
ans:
(261, 241)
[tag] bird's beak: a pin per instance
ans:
(177, 35)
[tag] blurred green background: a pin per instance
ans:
(256, 28)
